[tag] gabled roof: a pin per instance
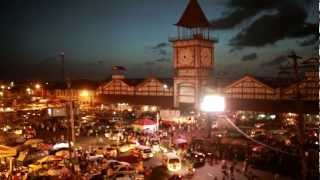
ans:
(193, 16)
(252, 78)
(148, 80)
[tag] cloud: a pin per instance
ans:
(161, 48)
(309, 41)
(277, 61)
(241, 10)
(288, 22)
(249, 57)
(162, 52)
(160, 60)
(100, 62)
(149, 63)
(160, 45)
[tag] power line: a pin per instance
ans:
(256, 141)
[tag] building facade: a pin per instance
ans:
(193, 62)
(192, 56)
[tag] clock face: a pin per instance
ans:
(185, 57)
(205, 59)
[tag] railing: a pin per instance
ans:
(192, 37)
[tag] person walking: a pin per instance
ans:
(245, 166)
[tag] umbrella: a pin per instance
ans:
(58, 171)
(45, 147)
(62, 153)
(33, 142)
(180, 141)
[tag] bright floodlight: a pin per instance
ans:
(212, 103)
(84, 93)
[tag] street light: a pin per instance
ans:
(29, 91)
(37, 86)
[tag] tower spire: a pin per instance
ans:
(193, 16)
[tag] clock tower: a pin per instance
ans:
(192, 56)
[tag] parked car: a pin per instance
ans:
(127, 146)
(145, 151)
(44, 162)
(172, 162)
(124, 169)
(114, 164)
(197, 158)
(111, 152)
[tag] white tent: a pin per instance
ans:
(145, 125)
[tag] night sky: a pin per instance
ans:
(255, 36)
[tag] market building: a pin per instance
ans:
(193, 62)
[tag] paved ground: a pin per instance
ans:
(206, 172)
(209, 172)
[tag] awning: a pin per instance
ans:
(6, 151)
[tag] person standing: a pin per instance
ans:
(232, 169)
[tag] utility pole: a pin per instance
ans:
(62, 66)
(71, 134)
(69, 105)
(300, 119)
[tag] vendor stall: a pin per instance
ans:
(144, 125)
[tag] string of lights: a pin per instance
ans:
(256, 141)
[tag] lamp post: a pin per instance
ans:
(38, 88)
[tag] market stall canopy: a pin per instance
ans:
(143, 122)
(6, 151)
(60, 146)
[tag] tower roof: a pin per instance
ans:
(193, 16)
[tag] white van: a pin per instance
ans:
(172, 161)
(145, 151)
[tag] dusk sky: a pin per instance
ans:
(255, 36)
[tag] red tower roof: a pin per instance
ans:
(193, 16)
